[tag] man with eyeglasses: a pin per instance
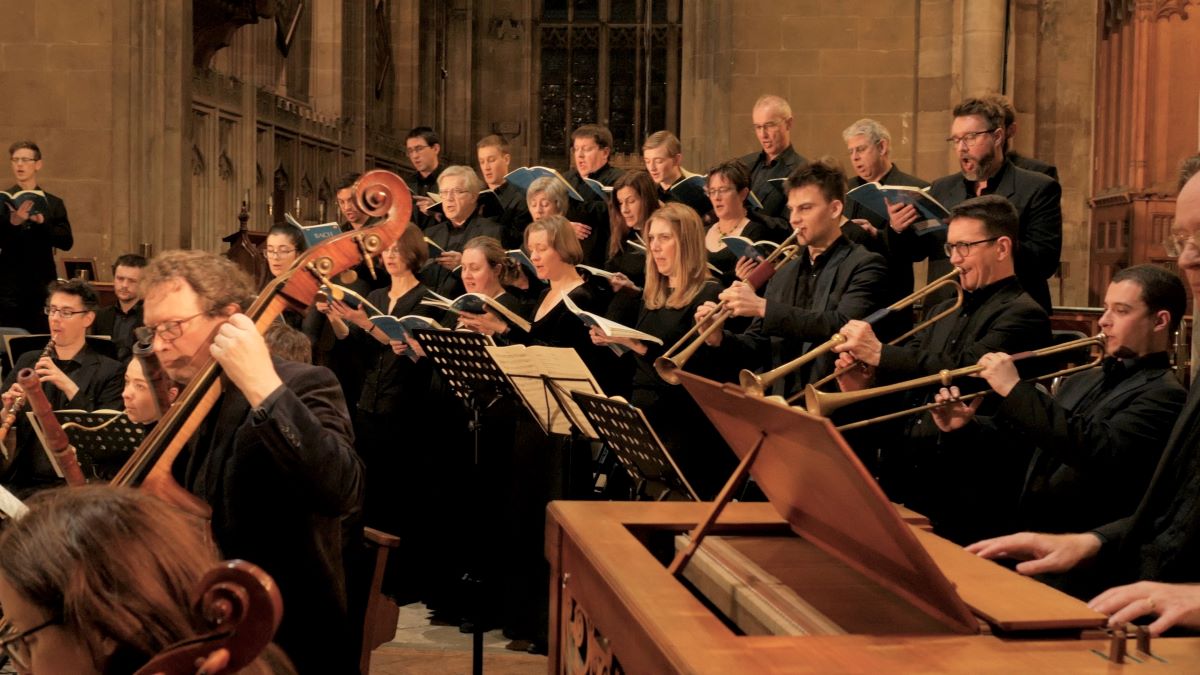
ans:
(274, 458)
(1153, 553)
(119, 320)
(424, 151)
(74, 377)
(977, 137)
(870, 147)
(27, 242)
(965, 492)
(772, 118)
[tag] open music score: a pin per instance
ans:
(544, 378)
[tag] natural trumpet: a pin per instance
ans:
(756, 384)
(674, 358)
(824, 403)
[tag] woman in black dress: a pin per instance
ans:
(396, 420)
(635, 197)
(677, 282)
(728, 187)
(488, 270)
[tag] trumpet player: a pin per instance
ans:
(831, 281)
(961, 491)
(1099, 438)
(73, 376)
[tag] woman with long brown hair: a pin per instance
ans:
(99, 579)
(677, 282)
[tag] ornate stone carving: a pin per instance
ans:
(215, 21)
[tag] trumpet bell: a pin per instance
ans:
(667, 369)
(752, 383)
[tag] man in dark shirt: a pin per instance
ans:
(424, 151)
(870, 146)
(978, 137)
(591, 147)
(663, 156)
(773, 127)
(494, 162)
(28, 238)
(1154, 552)
(1099, 438)
(831, 282)
(73, 377)
(961, 490)
(274, 458)
(118, 320)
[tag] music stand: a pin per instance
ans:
(463, 361)
(101, 438)
(624, 428)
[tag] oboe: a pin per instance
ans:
(14, 410)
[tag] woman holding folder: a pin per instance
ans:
(677, 282)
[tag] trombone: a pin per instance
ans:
(824, 403)
(756, 385)
(677, 356)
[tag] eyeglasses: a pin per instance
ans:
(971, 138)
(455, 193)
(278, 252)
(416, 149)
(168, 331)
(963, 248)
(718, 192)
(24, 160)
(17, 646)
(64, 312)
(1176, 241)
(769, 126)
(393, 251)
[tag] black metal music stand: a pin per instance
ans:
(103, 439)
(462, 359)
(624, 428)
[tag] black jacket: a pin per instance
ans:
(100, 380)
(762, 171)
(1033, 164)
(279, 488)
(593, 212)
(27, 263)
(1097, 441)
(1039, 240)
(850, 284)
(900, 268)
(119, 326)
(446, 282)
(515, 215)
(421, 186)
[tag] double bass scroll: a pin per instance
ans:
(379, 194)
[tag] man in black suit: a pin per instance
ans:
(591, 147)
(870, 148)
(118, 320)
(27, 242)
(962, 491)
(663, 155)
(1099, 438)
(274, 458)
(1010, 131)
(495, 159)
(772, 118)
(74, 376)
(1155, 551)
(831, 282)
(978, 136)
(424, 150)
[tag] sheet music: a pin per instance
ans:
(527, 366)
(11, 506)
